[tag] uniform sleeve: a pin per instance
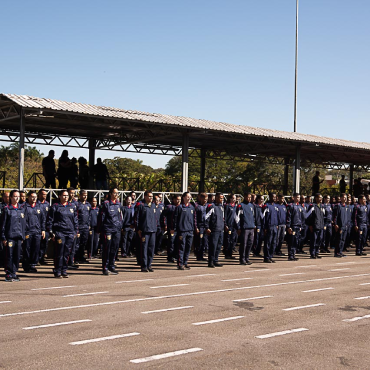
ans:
(195, 219)
(176, 216)
(75, 222)
(4, 218)
(43, 221)
(209, 212)
(335, 215)
(310, 218)
(50, 219)
(288, 216)
(137, 217)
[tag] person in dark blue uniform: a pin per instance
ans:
(72, 264)
(328, 229)
(185, 224)
(215, 225)
(259, 234)
(84, 220)
(13, 227)
(246, 223)
(127, 228)
(146, 227)
(303, 233)
(3, 203)
(315, 222)
(294, 222)
(62, 225)
(282, 225)
(340, 221)
(93, 242)
(44, 206)
(230, 235)
(270, 225)
(201, 237)
(361, 222)
(159, 233)
(35, 231)
(110, 222)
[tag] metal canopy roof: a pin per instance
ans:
(51, 122)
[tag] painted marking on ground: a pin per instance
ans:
(237, 279)
(357, 318)
(167, 286)
(257, 270)
(252, 298)
(304, 267)
(132, 281)
(293, 273)
(301, 307)
(347, 268)
(169, 309)
(264, 336)
(365, 284)
(217, 320)
(165, 355)
(344, 263)
(6, 302)
(82, 294)
(56, 287)
(56, 324)
(189, 276)
(315, 290)
(103, 338)
(366, 297)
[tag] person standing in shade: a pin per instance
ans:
(340, 221)
(201, 237)
(294, 222)
(282, 225)
(215, 225)
(159, 233)
(316, 183)
(146, 227)
(64, 167)
(185, 223)
(3, 204)
(84, 220)
(361, 222)
(101, 175)
(259, 234)
(93, 242)
(270, 225)
(13, 227)
(316, 223)
(48, 170)
(128, 231)
(62, 224)
(342, 184)
(230, 235)
(328, 227)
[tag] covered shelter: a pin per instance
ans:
(31, 120)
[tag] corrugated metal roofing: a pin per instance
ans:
(186, 122)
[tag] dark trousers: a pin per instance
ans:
(270, 242)
(63, 245)
(315, 241)
(72, 252)
(326, 242)
(246, 244)
(303, 237)
(126, 241)
(200, 243)
(171, 245)
(293, 241)
(81, 244)
(340, 239)
(93, 242)
(230, 238)
(147, 249)
(258, 239)
(44, 245)
(110, 247)
(50, 182)
(280, 238)
(31, 251)
(185, 240)
(215, 244)
(361, 238)
(12, 255)
(158, 241)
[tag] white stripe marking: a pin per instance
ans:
(56, 287)
(315, 290)
(56, 324)
(81, 294)
(6, 302)
(102, 338)
(237, 279)
(175, 295)
(200, 275)
(344, 263)
(300, 307)
(306, 266)
(340, 269)
(165, 355)
(365, 284)
(357, 318)
(257, 270)
(363, 297)
(217, 320)
(132, 281)
(169, 309)
(250, 299)
(280, 333)
(294, 273)
(167, 286)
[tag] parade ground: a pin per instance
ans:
(308, 314)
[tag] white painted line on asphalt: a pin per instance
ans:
(357, 318)
(300, 307)
(6, 302)
(365, 284)
(237, 279)
(167, 286)
(305, 266)
(81, 294)
(176, 295)
(293, 273)
(217, 320)
(257, 270)
(347, 268)
(315, 290)
(189, 276)
(132, 281)
(169, 309)
(56, 324)
(103, 338)
(280, 333)
(252, 298)
(165, 355)
(363, 297)
(56, 287)
(344, 263)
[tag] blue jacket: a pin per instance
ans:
(201, 215)
(83, 215)
(110, 217)
(145, 218)
(158, 214)
(351, 208)
(94, 213)
(35, 219)
(281, 214)
(45, 206)
(360, 216)
(215, 220)
(166, 218)
(13, 223)
(340, 215)
(271, 215)
(62, 219)
(246, 215)
(258, 211)
(295, 215)
(127, 216)
(185, 218)
(230, 212)
(328, 216)
(315, 216)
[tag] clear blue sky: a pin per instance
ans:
(230, 61)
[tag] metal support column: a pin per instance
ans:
(286, 176)
(297, 171)
(92, 144)
(185, 163)
(202, 170)
(21, 151)
(351, 178)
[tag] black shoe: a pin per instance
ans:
(257, 255)
(267, 261)
(243, 262)
(218, 264)
(293, 259)
(301, 252)
(249, 263)
(73, 267)
(343, 255)
(58, 276)
(144, 270)
(65, 276)
(229, 258)
(180, 268)
(211, 265)
(150, 269)
(317, 256)
(26, 270)
(113, 271)
(8, 278)
(33, 269)
(187, 267)
(172, 260)
(105, 272)
(272, 261)
(363, 254)
(202, 259)
(43, 262)
(313, 257)
(280, 253)
(338, 255)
